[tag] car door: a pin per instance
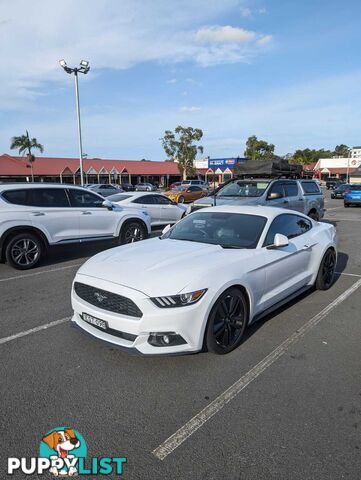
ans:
(194, 193)
(94, 219)
(287, 268)
(294, 196)
(150, 204)
(170, 213)
(51, 208)
(278, 189)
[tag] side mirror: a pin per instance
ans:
(279, 241)
(107, 204)
(274, 196)
(166, 229)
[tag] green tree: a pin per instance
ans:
(341, 150)
(24, 144)
(180, 146)
(307, 156)
(259, 149)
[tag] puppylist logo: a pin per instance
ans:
(63, 452)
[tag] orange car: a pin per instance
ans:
(186, 193)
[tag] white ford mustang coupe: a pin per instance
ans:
(204, 280)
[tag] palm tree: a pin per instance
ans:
(24, 145)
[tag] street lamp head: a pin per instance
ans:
(84, 66)
(62, 63)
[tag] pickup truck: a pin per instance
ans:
(301, 195)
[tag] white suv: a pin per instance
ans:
(35, 216)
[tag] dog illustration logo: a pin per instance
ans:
(66, 445)
(100, 297)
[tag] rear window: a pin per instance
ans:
(310, 187)
(17, 197)
(118, 197)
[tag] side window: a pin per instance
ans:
(49, 197)
(144, 200)
(291, 189)
(163, 200)
(290, 225)
(83, 199)
(17, 197)
(310, 187)
(194, 189)
(276, 188)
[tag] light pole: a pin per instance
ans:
(84, 68)
(348, 165)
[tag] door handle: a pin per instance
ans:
(86, 213)
(285, 201)
(300, 199)
(306, 247)
(37, 214)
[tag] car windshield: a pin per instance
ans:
(181, 188)
(354, 187)
(229, 230)
(243, 188)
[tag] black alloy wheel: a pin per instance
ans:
(23, 251)
(326, 271)
(227, 322)
(132, 232)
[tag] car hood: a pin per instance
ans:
(209, 201)
(160, 267)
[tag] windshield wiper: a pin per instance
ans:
(231, 246)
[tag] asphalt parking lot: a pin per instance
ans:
(285, 405)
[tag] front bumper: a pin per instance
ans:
(352, 201)
(132, 333)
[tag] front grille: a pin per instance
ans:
(107, 300)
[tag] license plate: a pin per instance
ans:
(95, 321)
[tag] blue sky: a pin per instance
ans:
(287, 71)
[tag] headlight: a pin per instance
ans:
(181, 300)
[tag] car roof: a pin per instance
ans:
(260, 210)
(138, 194)
(16, 186)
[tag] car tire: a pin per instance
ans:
(181, 199)
(227, 322)
(24, 251)
(314, 215)
(346, 205)
(326, 272)
(132, 231)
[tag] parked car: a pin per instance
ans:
(232, 265)
(127, 187)
(184, 193)
(197, 183)
(304, 196)
(330, 184)
(145, 187)
(104, 189)
(174, 185)
(339, 191)
(352, 195)
(161, 209)
(34, 217)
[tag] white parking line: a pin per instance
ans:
(175, 440)
(33, 330)
(348, 274)
(33, 274)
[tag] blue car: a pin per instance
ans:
(352, 195)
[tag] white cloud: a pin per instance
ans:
(262, 11)
(192, 109)
(112, 34)
(226, 34)
(172, 80)
(246, 12)
(265, 40)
